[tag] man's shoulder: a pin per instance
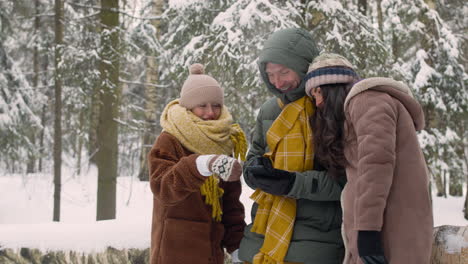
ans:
(270, 103)
(270, 109)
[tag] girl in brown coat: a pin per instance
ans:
(195, 181)
(369, 129)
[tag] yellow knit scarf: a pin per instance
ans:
(200, 136)
(290, 142)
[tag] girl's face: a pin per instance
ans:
(317, 94)
(207, 111)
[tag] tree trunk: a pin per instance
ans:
(439, 183)
(93, 124)
(43, 114)
(152, 129)
(80, 142)
(94, 100)
(465, 156)
(465, 208)
(41, 136)
(31, 160)
(456, 183)
(107, 132)
(362, 7)
(58, 108)
(395, 48)
(444, 178)
(380, 19)
(30, 164)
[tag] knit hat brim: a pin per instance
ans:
(331, 75)
(202, 94)
(329, 68)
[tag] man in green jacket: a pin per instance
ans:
(316, 234)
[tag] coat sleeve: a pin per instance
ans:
(173, 174)
(373, 117)
(257, 146)
(316, 186)
(233, 216)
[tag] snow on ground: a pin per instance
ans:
(448, 211)
(26, 209)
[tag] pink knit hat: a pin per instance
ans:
(329, 68)
(200, 88)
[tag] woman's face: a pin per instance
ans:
(317, 94)
(207, 111)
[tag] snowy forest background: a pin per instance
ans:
(83, 83)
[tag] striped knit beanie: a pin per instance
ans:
(329, 68)
(200, 88)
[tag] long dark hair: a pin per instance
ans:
(327, 125)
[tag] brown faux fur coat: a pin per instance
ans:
(183, 230)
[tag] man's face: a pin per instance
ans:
(283, 78)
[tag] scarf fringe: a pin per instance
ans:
(213, 193)
(240, 142)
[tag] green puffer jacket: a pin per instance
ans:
(317, 231)
(316, 237)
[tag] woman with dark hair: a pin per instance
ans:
(336, 76)
(328, 126)
(368, 128)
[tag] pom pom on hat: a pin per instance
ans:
(329, 68)
(197, 68)
(200, 88)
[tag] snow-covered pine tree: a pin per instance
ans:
(20, 101)
(341, 28)
(226, 36)
(454, 13)
(429, 52)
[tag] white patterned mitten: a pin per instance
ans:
(227, 168)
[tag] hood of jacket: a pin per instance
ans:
(395, 89)
(293, 48)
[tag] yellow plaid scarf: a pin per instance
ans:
(290, 142)
(200, 136)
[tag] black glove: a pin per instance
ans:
(370, 247)
(261, 174)
(261, 161)
(255, 162)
